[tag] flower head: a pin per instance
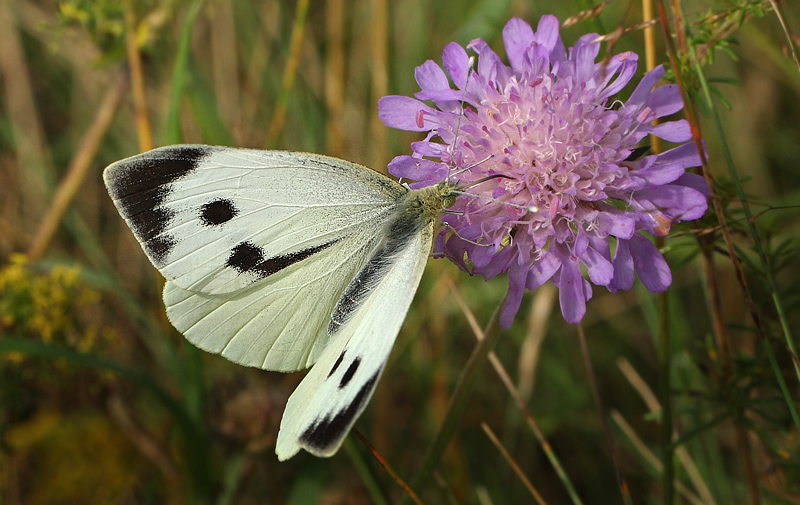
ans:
(568, 186)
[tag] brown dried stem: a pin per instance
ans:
(514, 465)
(79, 167)
(143, 128)
(386, 466)
(587, 361)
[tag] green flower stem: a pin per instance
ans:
(787, 332)
(362, 468)
(458, 401)
(179, 75)
(665, 394)
(762, 257)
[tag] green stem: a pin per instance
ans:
(173, 134)
(665, 394)
(458, 401)
(362, 468)
(749, 219)
(762, 257)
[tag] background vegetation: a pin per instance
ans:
(103, 402)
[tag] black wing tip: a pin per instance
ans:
(326, 434)
(152, 169)
(139, 186)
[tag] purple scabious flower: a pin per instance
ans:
(571, 193)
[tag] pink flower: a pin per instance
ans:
(571, 188)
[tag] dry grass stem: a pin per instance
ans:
(386, 466)
(514, 465)
(654, 406)
(225, 65)
(335, 77)
(598, 400)
(143, 127)
(142, 441)
(380, 81)
(651, 458)
(585, 14)
(289, 72)
(79, 167)
(541, 309)
(504, 377)
(32, 153)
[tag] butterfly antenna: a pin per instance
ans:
(458, 124)
(471, 167)
(529, 208)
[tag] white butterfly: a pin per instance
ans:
(284, 260)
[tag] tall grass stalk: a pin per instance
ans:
(458, 400)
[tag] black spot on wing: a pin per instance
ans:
(217, 212)
(336, 365)
(159, 247)
(328, 431)
(249, 258)
(349, 373)
(140, 186)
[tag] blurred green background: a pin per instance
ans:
(101, 401)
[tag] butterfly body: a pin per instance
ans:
(282, 261)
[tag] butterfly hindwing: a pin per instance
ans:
(323, 408)
(281, 326)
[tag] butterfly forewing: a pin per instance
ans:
(216, 220)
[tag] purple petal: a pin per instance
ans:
(685, 154)
(650, 265)
(547, 32)
(426, 148)
(430, 76)
(650, 79)
(499, 263)
(600, 269)
(694, 181)
(490, 66)
(672, 131)
(584, 56)
(681, 202)
(628, 69)
(456, 62)
(587, 290)
(542, 270)
(454, 249)
(417, 168)
(405, 113)
(623, 266)
(517, 37)
(516, 288)
(570, 291)
(601, 246)
(665, 100)
(452, 95)
(659, 174)
(619, 225)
